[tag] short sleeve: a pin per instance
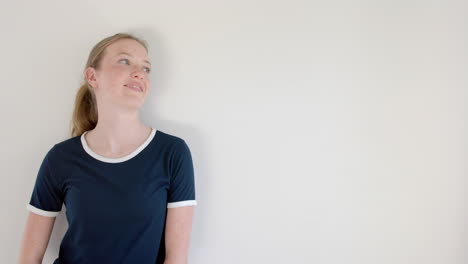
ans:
(182, 181)
(47, 197)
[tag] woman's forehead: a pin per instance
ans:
(128, 47)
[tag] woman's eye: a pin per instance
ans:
(148, 70)
(124, 60)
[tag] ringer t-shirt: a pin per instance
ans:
(116, 207)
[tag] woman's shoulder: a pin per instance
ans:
(174, 142)
(67, 144)
(169, 137)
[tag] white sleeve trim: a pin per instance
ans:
(41, 212)
(181, 203)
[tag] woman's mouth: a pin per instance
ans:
(134, 87)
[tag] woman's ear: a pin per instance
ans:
(90, 75)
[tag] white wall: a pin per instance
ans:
(323, 132)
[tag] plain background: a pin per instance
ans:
(322, 132)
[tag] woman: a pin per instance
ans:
(128, 188)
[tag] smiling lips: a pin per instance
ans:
(135, 86)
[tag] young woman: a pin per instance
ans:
(128, 188)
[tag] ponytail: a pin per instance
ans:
(85, 114)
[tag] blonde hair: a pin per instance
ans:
(85, 115)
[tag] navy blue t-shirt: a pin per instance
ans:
(116, 207)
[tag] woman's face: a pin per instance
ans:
(122, 79)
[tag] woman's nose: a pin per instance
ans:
(138, 73)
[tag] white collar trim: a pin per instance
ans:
(120, 159)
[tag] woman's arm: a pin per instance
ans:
(178, 229)
(36, 236)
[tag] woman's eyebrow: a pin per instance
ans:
(125, 53)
